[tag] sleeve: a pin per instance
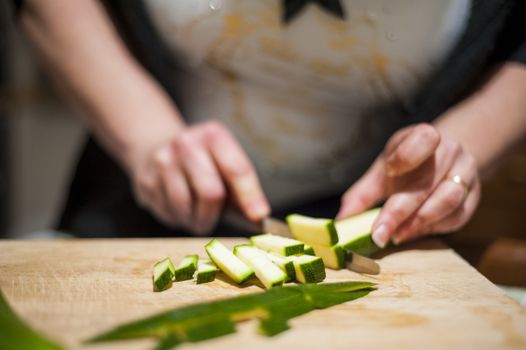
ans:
(511, 45)
(520, 54)
(17, 5)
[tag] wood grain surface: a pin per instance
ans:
(427, 298)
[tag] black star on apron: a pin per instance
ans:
(292, 8)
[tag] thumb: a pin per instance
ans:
(365, 192)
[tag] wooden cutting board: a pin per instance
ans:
(427, 298)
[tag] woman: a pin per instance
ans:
(284, 104)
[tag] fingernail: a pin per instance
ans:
(381, 235)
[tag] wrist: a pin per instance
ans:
(492, 120)
(133, 139)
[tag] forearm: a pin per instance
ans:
(126, 108)
(493, 120)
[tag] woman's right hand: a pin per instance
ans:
(186, 181)
(181, 174)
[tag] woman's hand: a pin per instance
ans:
(185, 182)
(418, 173)
(181, 174)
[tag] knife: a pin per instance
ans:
(354, 262)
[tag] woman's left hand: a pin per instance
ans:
(431, 185)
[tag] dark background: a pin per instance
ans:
(5, 44)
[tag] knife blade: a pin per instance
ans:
(361, 264)
(276, 226)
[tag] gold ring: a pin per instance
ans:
(458, 180)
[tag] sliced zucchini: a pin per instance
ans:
(277, 244)
(333, 257)
(284, 264)
(307, 250)
(163, 274)
(266, 271)
(309, 269)
(206, 271)
(355, 232)
(186, 268)
(313, 230)
(230, 264)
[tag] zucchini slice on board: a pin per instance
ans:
(206, 271)
(186, 268)
(309, 269)
(277, 244)
(230, 264)
(163, 274)
(284, 264)
(266, 271)
(355, 232)
(333, 257)
(313, 230)
(307, 250)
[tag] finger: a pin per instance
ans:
(418, 145)
(237, 170)
(456, 219)
(148, 191)
(410, 195)
(366, 192)
(156, 204)
(204, 180)
(371, 188)
(176, 189)
(460, 217)
(444, 200)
